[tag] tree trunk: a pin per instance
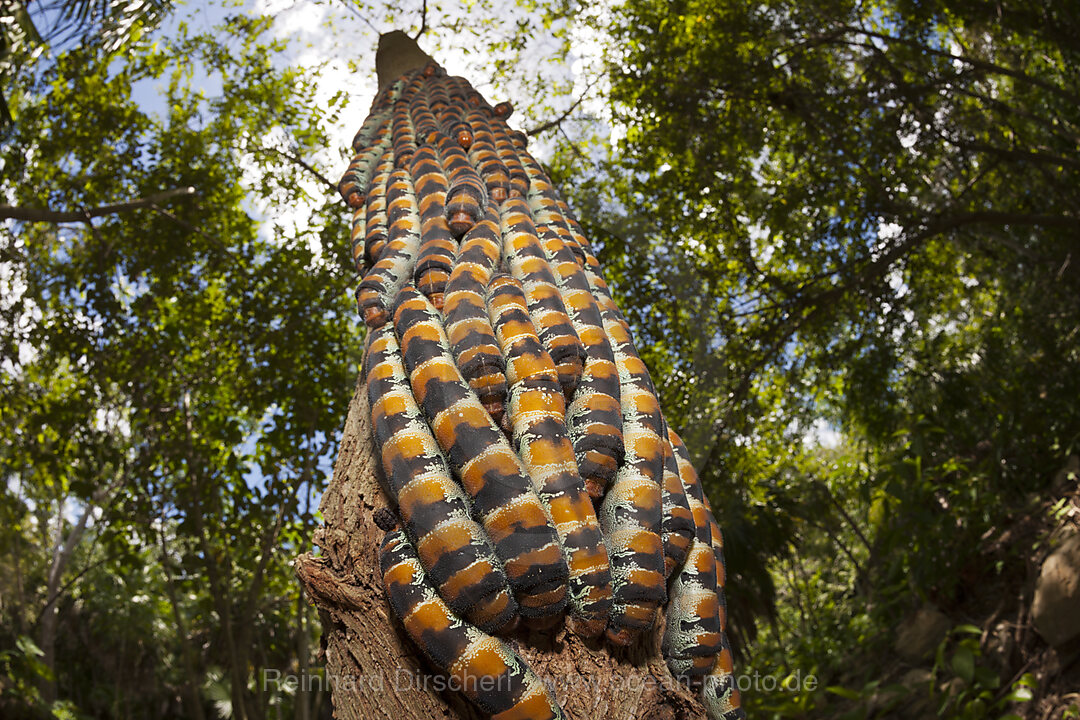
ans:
(374, 672)
(372, 669)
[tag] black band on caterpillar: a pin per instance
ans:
(488, 672)
(695, 495)
(631, 512)
(434, 509)
(536, 411)
(527, 262)
(468, 326)
(380, 285)
(503, 493)
(404, 137)
(357, 233)
(438, 247)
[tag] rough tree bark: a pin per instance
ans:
(374, 671)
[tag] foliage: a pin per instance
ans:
(174, 377)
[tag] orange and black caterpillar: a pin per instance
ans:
(354, 183)
(677, 530)
(468, 326)
(467, 194)
(631, 512)
(536, 411)
(376, 225)
(503, 494)
(594, 416)
(380, 285)
(528, 263)
(484, 668)
(438, 246)
(483, 154)
(434, 509)
(692, 632)
(720, 692)
(504, 147)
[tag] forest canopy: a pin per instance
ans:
(842, 233)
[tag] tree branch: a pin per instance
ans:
(7, 212)
(296, 160)
(558, 121)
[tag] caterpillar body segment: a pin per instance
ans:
(695, 494)
(378, 288)
(438, 249)
(378, 115)
(376, 225)
(527, 262)
(536, 411)
(594, 416)
(678, 530)
(503, 495)
(468, 326)
(484, 155)
(485, 668)
(720, 692)
(423, 119)
(354, 183)
(451, 546)
(717, 544)
(631, 511)
(693, 613)
(467, 194)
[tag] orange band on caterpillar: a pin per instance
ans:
(438, 248)
(486, 670)
(380, 285)
(357, 233)
(631, 512)
(695, 494)
(468, 327)
(435, 512)
(536, 411)
(503, 494)
(404, 136)
(527, 262)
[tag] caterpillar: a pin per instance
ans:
(631, 511)
(423, 119)
(528, 263)
(502, 492)
(467, 194)
(678, 531)
(376, 224)
(594, 415)
(537, 410)
(468, 326)
(463, 130)
(380, 285)
(720, 692)
(404, 136)
(519, 180)
(486, 670)
(483, 155)
(358, 230)
(695, 494)
(354, 182)
(434, 509)
(438, 247)
(693, 614)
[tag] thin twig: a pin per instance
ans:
(559, 120)
(7, 212)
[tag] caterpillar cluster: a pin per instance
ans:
(521, 444)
